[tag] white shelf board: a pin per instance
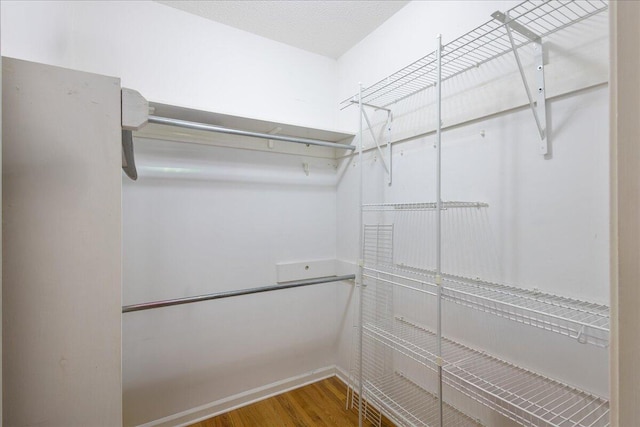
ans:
(172, 133)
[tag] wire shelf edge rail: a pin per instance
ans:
(228, 294)
(480, 45)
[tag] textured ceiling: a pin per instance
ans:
(328, 28)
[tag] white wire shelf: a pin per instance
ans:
(408, 404)
(584, 321)
(481, 45)
(519, 394)
(422, 206)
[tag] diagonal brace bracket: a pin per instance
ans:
(538, 108)
(387, 164)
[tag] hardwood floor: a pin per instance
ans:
(317, 404)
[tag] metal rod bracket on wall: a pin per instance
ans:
(538, 108)
(134, 110)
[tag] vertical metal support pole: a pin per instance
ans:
(360, 261)
(439, 228)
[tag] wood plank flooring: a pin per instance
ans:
(318, 404)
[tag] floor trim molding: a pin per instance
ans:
(239, 400)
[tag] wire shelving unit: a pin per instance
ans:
(519, 394)
(483, 44)
(408, 404)
(396, 350)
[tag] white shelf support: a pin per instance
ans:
(541, 101)
(538, 108)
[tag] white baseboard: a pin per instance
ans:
(342, 375)
(239, 400)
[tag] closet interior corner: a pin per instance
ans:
(466, 211)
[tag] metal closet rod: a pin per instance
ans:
(228, 294)
(219, 129)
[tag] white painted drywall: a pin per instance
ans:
(225, 226)
(174, 57)
(62, 238)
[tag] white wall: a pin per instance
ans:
(225, 229)
(176, 58)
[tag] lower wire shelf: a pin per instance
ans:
(408, 404)
(517, 393)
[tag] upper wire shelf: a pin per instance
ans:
(483, 44)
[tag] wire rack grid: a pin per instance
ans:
(585, 321)
(408, 404)
(483, 44)
(517, 393)
(521, 395)
(524, 396)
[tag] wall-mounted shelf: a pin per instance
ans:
(142, 120)
(519, 394)
(408, 404)
(481, 45)
(585, 321)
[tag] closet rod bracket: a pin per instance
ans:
(134, 110)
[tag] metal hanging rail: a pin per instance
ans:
(219, 129)
(228, 294)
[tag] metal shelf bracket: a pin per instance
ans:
(538, 108)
